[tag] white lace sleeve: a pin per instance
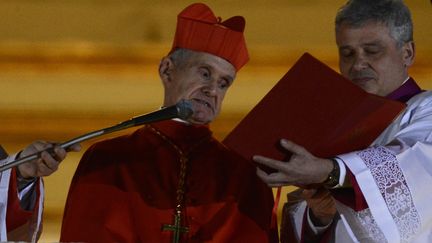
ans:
(393, 173)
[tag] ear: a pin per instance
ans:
(166, 67)
(408, 50)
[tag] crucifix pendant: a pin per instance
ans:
(176, 228)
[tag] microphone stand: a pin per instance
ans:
(182, 110)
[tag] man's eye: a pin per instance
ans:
(205, 73)
(223, 85)
(346, 53)
(372, 51)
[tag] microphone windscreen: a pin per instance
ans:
(184, 109)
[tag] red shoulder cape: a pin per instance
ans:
(124, 190)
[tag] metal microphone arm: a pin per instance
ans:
(182, 110)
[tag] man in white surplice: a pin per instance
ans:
(379, 194)
(21, 191)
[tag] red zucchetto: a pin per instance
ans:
(199, 29)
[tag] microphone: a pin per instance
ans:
(182, 110)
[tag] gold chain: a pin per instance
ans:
(183, 166)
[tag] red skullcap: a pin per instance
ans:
(198, 29)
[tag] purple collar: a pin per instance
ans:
(406, 91)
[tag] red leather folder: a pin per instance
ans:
(317, 108)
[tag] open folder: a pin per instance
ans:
(317, 108)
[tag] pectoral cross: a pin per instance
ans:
(176, 227)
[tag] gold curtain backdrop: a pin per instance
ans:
(71, 67)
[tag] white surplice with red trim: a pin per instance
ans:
(4, 191)
(394, 176)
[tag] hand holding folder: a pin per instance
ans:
(317, 108)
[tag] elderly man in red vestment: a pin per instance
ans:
(171, 181)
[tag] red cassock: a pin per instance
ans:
(125, 190)
(22, 224)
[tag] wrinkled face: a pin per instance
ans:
(370, 58)
(204, 80)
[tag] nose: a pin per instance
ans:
(210, 89)
(359, 63)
